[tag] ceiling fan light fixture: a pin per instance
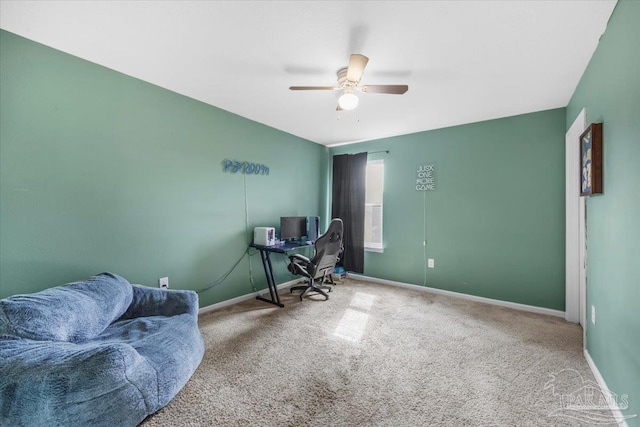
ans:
(348, 101)
(348, 81)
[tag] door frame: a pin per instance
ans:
(575, 232)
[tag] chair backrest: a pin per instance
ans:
(327, 250)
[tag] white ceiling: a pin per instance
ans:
(464, 61)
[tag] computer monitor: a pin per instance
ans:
(293, 227)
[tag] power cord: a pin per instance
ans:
(424, 236)
(220, 280)
(246, 251)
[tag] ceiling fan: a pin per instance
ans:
(348, 80)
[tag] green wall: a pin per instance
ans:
(494, 224)
(610, 90)
(103, 172)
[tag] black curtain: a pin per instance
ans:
(349, 183)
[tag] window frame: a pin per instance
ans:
(379, 248)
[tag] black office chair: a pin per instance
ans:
(322, 264)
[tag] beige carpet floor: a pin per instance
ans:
(379, 355)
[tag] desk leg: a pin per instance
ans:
(271, 283)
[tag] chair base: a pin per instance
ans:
(311, 288)
(331, 280)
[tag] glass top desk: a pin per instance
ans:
(265, 252)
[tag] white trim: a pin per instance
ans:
(236, 300)
(508, 304)
(600, 380)
(574, 256)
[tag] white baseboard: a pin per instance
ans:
(514, 305)
(600, 380)
(236, 300)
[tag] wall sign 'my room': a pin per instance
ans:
(247, 168)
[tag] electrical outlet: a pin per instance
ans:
(431, 263)
(163, 282)
(593, 314)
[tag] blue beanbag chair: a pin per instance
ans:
(100, 352)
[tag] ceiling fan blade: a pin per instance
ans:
(313, 88)
(390, 89)
(357, 63)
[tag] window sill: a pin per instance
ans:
(374, 249)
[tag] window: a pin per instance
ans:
(373, 206)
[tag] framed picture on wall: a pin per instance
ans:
(591, 160)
